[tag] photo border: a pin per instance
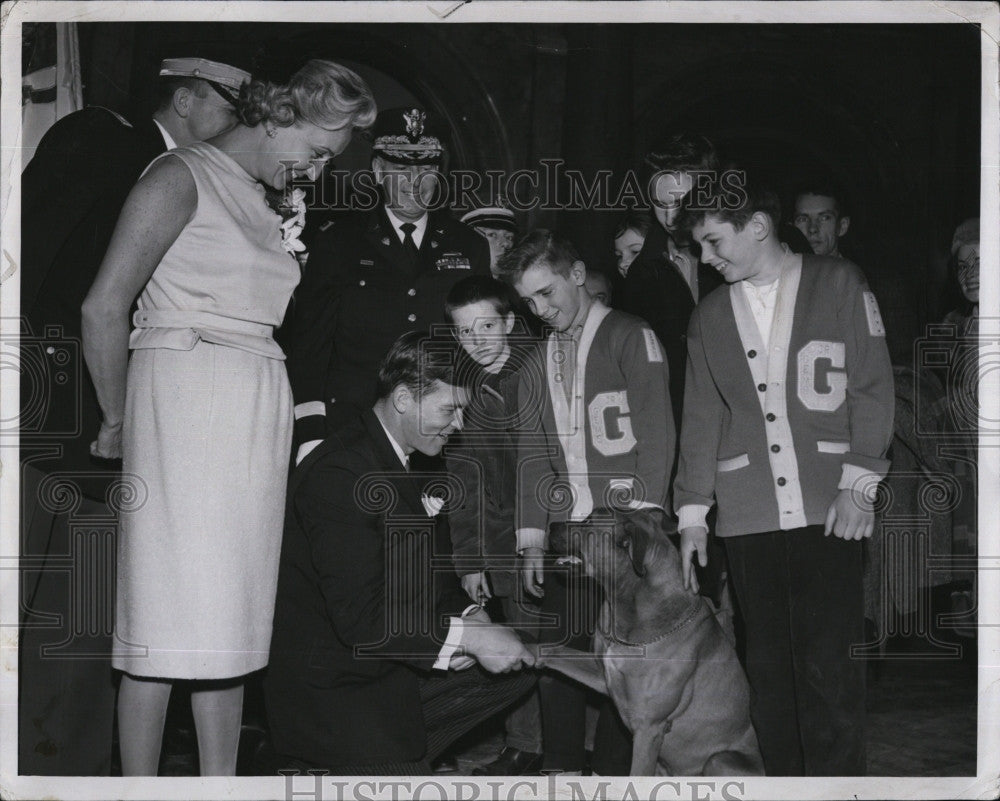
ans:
(987, 14)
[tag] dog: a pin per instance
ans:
(661, 654)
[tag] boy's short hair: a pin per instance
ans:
(541, 246)
(418, 359)
(478, 288)
(682, 152)
(731, 204)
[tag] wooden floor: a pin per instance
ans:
(921, 718)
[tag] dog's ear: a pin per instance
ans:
(635, 541)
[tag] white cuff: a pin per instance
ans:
(305, 448)
(529, 538)
(309, 408)
(451, 643)
(860, 480)
(693, 514)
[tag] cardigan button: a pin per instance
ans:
(751, 353)
(781, 481)
(770, 417)
(762, 387)
(775, 448)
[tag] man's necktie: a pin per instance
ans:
(409, 245)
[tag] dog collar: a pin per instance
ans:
(697, 605)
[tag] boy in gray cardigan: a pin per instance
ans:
(788, 411)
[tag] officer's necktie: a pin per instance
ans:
(408, 244)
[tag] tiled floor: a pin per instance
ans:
(921, 721)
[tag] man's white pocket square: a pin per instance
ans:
(432, 504)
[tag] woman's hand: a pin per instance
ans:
(108, 444)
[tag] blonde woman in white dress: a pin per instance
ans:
(202, 413)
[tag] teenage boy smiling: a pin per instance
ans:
(788, 412)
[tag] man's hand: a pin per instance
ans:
(693, 539)
(497, 648)
(851, 516)
(531, 571)
(108, 444)
(476, 587)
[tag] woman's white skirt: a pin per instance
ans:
(207, 442)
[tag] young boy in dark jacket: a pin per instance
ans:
(484, 460)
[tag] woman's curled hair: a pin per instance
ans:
(323, 93)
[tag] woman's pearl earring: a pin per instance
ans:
(270, 131)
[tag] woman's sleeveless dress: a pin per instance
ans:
(207, 438)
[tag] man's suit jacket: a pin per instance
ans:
(655, 291)
(362, 566)
(359, 293)
(72, 192)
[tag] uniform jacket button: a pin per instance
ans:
(412, 318)
(361, 282)
(411, 292)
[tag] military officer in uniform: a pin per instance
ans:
(374, 275)
(72, 191)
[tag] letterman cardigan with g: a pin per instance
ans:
(612, 444)
(771, 434)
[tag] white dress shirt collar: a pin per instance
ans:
(418, 231)
(403, 456)
(168, 140)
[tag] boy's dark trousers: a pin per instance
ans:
(802, 601)
(569, 613)
(520, 611)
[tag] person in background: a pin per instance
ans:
(373, 276)
(788, 414)
(962, 402)
(629, 237)
(666, 280)
(484, 459)
(204, 419)
(497, 225)
(379, 661)
(965, 258)
(598, 286)
(607, 369)
(72, 192)
(821, 215)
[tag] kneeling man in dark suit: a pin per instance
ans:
(378, 662)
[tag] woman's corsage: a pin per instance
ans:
(293, 221)
(291, 207)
